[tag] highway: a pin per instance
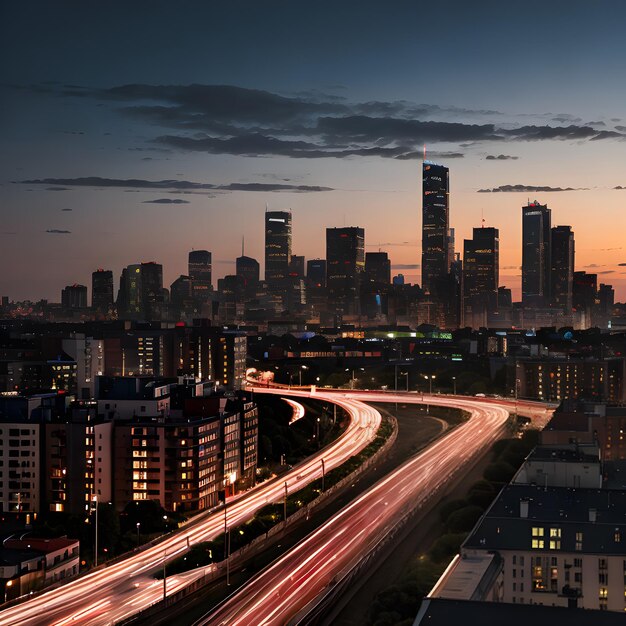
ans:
(282, 590)
(112, 593)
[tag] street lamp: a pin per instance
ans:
(95, 500)
(454, 384)
(323, 474)
(407, 379)
(430, 388)
(352, 380)
(317, 431)
(6, 590)
(138, 526)
(302, 367)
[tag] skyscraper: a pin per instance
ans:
(435, 225)
(536, 254)
(316, 273)
(562, 267)
(377, 268)
(277, 247)
(102, 291)
(200, 273)
(345, 258)
(74, 297)
(248, 269)
(141, 294)
(481, 257)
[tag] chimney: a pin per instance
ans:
(523, 508)
(592, 515)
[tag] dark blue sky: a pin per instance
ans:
(346, 94)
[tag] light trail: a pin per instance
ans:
(307, 572)
(114, 586)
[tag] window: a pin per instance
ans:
(579, 541)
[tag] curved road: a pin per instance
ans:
(122, 589)
(301, 576)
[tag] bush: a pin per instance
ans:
(499, 472)
(446, 547)
(464, 519)
(450, 507)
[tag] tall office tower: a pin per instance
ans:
(181, 299)
(296, 266)
(377, 268)
(345, 263)
(480, 275)
(435, 225)
(450, 291)
(102, 291)
(200, 269)
(536, 255)
(562, 267)
(74, 297)
(316, 273)
(248, 269)
(604, 307)
(584, 295)
(152, 294)
(277, 248)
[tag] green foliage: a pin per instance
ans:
(499, 472)
(450, 507)
(446, 547)
(464, 519)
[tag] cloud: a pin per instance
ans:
(527, 189)
(166, 201)
(501, 157)
(172, 185)
(406, 266)
(621, 264)
(58, 231)
(57, 189)
(606, 272)
(225, 119)
(67, 209)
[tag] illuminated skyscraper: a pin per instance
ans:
(248, 269)
(102, 291)
(562, 267)
(435, 225)
(536, 254)
(200, 273)
(277, 247)
(481, 257)
(345, 258)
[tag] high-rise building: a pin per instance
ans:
(345, 257)
(74, 297)
(316, 273)
(480, 275)
(181, 298)
(248, 269)
(377, 268)
(562, 267)
(536, 254)
(435, 225)
(296, 266)
(102, 291)
(277, 247)
(141, 294)
(200, 273)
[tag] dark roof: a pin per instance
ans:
(502, 528)
(440, 612)
(571, 455)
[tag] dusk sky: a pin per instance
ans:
(136, 131)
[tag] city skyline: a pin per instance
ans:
(339, 144)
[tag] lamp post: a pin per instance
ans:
(430, 388)
(454, 385)
(138, 526)
(164, 576)
(323, 474)
(285, 504)
(317, 432)
(8, 585)
(407, 379)
(95, 500)
(302, 367)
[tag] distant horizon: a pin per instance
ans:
(177, 137)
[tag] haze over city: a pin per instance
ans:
(321, 108)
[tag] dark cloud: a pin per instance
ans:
(621, 128)
(619, 187)
(606, 272)
(57, 189)
(312, 124)
(621, 264)
(406, 266)
(501, 157)
(166, 201)
(598, 123)
(67, 209)
(526, 188)
(58, 231)
(173, 185)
